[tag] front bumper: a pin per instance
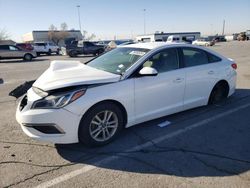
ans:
(52, 125)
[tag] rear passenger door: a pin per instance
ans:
(4, 49)
(200, 76)
(89, 48)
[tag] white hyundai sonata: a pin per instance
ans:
(93, 102)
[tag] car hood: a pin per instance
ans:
(62, 74)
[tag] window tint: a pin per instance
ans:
(194, 57)
(164, 61)
(213, 58)
(4, 47)
(88, 44)
(40, 44)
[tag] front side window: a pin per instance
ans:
(117, 61)
(164, 61)
(194, 57)
(13, 48)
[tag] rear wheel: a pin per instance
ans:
(99, 52)
(49, 52)
(72, 53)
(27, 57)
(219, 93)
(101, 124)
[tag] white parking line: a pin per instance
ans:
(88, 168)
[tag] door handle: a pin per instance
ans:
(211, 72)
(178, 80)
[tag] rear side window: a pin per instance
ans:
(4, 47)
(213, 58)
(194, 57)
(40, 44)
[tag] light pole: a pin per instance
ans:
(144, 20)
(79, 18)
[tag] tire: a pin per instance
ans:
(92, 131)
(49, 52)
(219, 93)
(72, 54)
(27, 57)
(99, 52)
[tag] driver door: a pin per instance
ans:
(14, 52)
(160, 95)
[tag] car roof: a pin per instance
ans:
(154, 45)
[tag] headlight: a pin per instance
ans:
(58, 100)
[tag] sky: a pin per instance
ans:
(125, 18)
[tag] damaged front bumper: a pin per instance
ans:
(51, 125)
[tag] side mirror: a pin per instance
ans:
(148, 71)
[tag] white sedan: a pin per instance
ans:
(93, 102)
(203, 42)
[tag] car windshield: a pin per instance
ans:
(117, 61)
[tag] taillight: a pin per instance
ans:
(234, 66)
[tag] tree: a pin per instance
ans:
(57, 35)
(4, 35)
(64, 26)
(86, 36)
(52, 28)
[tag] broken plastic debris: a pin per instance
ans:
(164, 124)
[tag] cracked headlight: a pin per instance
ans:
(58, 100)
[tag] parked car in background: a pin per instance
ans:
(91, 103)
(203, 42)
(242, 36)
(174, 38)
(127, 43)
(220, 39)
(46, 48)
(14, 52)
(25, 46)
(84, 48)
(248, 34)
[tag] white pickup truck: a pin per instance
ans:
(45, 48)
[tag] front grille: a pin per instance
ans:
(45, 128)
(23, 103)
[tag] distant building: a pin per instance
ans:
(161, 36)
(42, 36)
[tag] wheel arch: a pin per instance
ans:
(115, 102)
(222, 82)
(28, 54)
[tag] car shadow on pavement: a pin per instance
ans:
(217, 148)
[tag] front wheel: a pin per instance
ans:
(72, 54)
(27, 57)
(49, 52)
(101, 124)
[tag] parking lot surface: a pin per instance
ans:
(203, 147)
